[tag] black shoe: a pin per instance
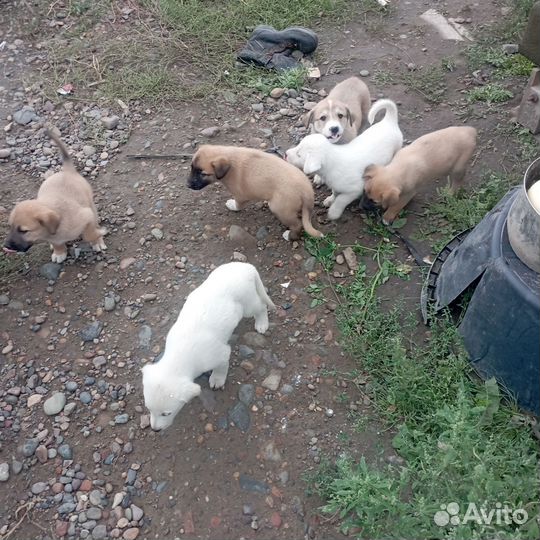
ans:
(272, 49)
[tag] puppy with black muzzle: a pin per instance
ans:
(340, 115)
(253, 175)
(199, 340)
(62, 211)
(442, 153)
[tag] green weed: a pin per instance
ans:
(490, 93)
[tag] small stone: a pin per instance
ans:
(41, 453)
(65, 451)
(237, 256)
(157, 233)
(136, 513)
(272, 381)
(350, 258)
(247, 510)
(125, 263)
(66, 508)
(283, 477)
(309, 264)
(16, 466)
(99, 532)
(34, 399)
(121, 418)
(50, 270)
(255, 486)
(241, 237)
(54, 404)
(131, 533)
(287, 389)
(245, 352)
(246, 394)
(210, 131)
(270, 452)
(257, 107)
(4, 299)
(4, 472)
(110, 122)
(85, 397)
(94, 513)
(5, 153)
(276, 93)
(145, 336)
(61, 528)
(95, 497)
(39, 487)
(109, 303)
(364, 73)
(275, 520)
(92, 331)
(88, 150)
(117, 499)
(254, 339)
(411, 66)
(239, 416)
(510, 48)
(25, 115)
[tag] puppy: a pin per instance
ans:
(445, 152)
(339, 115)
(253, 175)
(63, 210)
(341, 167)
(198, 340)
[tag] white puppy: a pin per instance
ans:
(198, 340)
(341, 167)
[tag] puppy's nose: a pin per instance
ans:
(334, 129)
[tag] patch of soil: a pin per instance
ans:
(204, 477)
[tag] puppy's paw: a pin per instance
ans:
(328, 201)
(99, 245)
(287, 235)
(217, 381)
(261, 326)
(232, 205)
(58, 257)
(334, 213)
(317, 181)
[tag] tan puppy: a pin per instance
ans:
(445, 152)
(63, 210)
(339, 116)
(253, 175)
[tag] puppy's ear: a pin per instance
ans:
(369, 172)
(350, 116)
(313, 163)
(221, 167)
(49, 219)
(307, 118)
(390, 197)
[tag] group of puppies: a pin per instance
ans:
(351, 161)
(347, 150)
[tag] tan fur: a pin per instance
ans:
(253, 175)
(350, 99)
(445, 152)
(62, 211)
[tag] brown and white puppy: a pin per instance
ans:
(339, 115)
(253, 175)
(62, 211)
(445, 152)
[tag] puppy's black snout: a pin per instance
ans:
(367, 204)
(334, 130)
(14, 245)
(197, 181)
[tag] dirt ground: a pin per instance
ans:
(204, 477)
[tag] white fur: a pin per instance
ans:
(341, 167)
(199, 340)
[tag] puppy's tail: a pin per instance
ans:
(66, 158)
(261, 291)
(388, 105)
(306, 219)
